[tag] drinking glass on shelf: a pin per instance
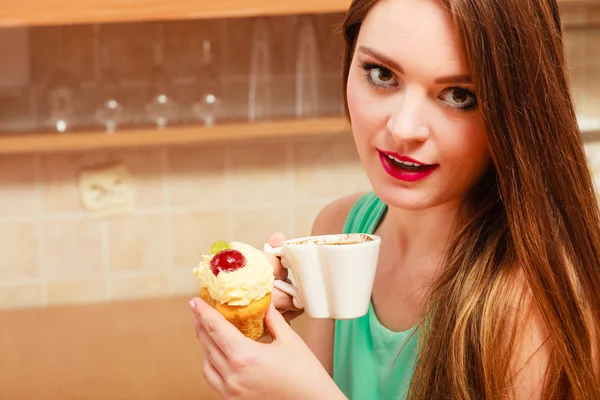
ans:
(259, 88)
(109, 110)
(162, 108)
(208, 86)
(60, 92)
(307, 69)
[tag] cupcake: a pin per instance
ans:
(237, 280)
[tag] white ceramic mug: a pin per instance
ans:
(330, 280)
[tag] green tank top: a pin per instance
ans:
(371, 362)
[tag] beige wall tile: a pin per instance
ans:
(21, 295)
(255, 226)
(197, 176)
(304, 217)
(73, 248)
(139, 242)
(19, 194)
(193, 233)
(184, 283)
(59, 174)
(18, 250)
(79, 291)
(138, 287)
(146, 167)
(260, 173)
(326, 169)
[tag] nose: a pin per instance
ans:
(408, 121)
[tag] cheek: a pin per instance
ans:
(365, 111)
(469, 145)
(355, 95)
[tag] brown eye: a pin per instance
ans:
(459, 98)
(381, 74)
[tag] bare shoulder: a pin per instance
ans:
(332, 217)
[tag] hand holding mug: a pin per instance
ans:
(282, 301)
(332, 275)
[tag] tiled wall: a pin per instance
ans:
(52, 252)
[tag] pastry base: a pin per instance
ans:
(250, 319)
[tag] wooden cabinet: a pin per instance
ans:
(78, 141)
(142, 349)
(61, 12)
(88, 12)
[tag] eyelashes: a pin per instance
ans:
(455, 98)
(369, 73)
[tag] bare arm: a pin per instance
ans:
(320, 332)
(531, 356)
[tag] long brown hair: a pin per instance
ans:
(531, 239)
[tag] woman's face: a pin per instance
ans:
(414, 110)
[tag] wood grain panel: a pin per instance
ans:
(61, 12)
(143, 349)
(77, 141)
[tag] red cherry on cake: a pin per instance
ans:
(227, 260)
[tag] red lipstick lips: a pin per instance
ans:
(404, 168)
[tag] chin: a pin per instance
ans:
(404, 199)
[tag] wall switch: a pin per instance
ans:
(107, 192)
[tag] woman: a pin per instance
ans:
(488, 283)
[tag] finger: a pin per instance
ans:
(282, 301)
(279, 271)
(212, 351)
(277, 239)
(266, 338)
(226, 336)
(277, 325)
(292, 315)
(213, 377)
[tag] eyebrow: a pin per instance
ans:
(394, 65)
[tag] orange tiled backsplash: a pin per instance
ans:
(53, 252)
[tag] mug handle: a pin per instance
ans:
(285, 287)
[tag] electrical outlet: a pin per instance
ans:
(108, 191)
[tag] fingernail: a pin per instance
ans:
(193, 304)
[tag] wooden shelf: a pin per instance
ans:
(64, 12)
(77, 141)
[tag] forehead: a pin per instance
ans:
(419, 34)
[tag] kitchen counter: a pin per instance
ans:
(143, 349)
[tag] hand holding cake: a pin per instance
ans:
(237, 280)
